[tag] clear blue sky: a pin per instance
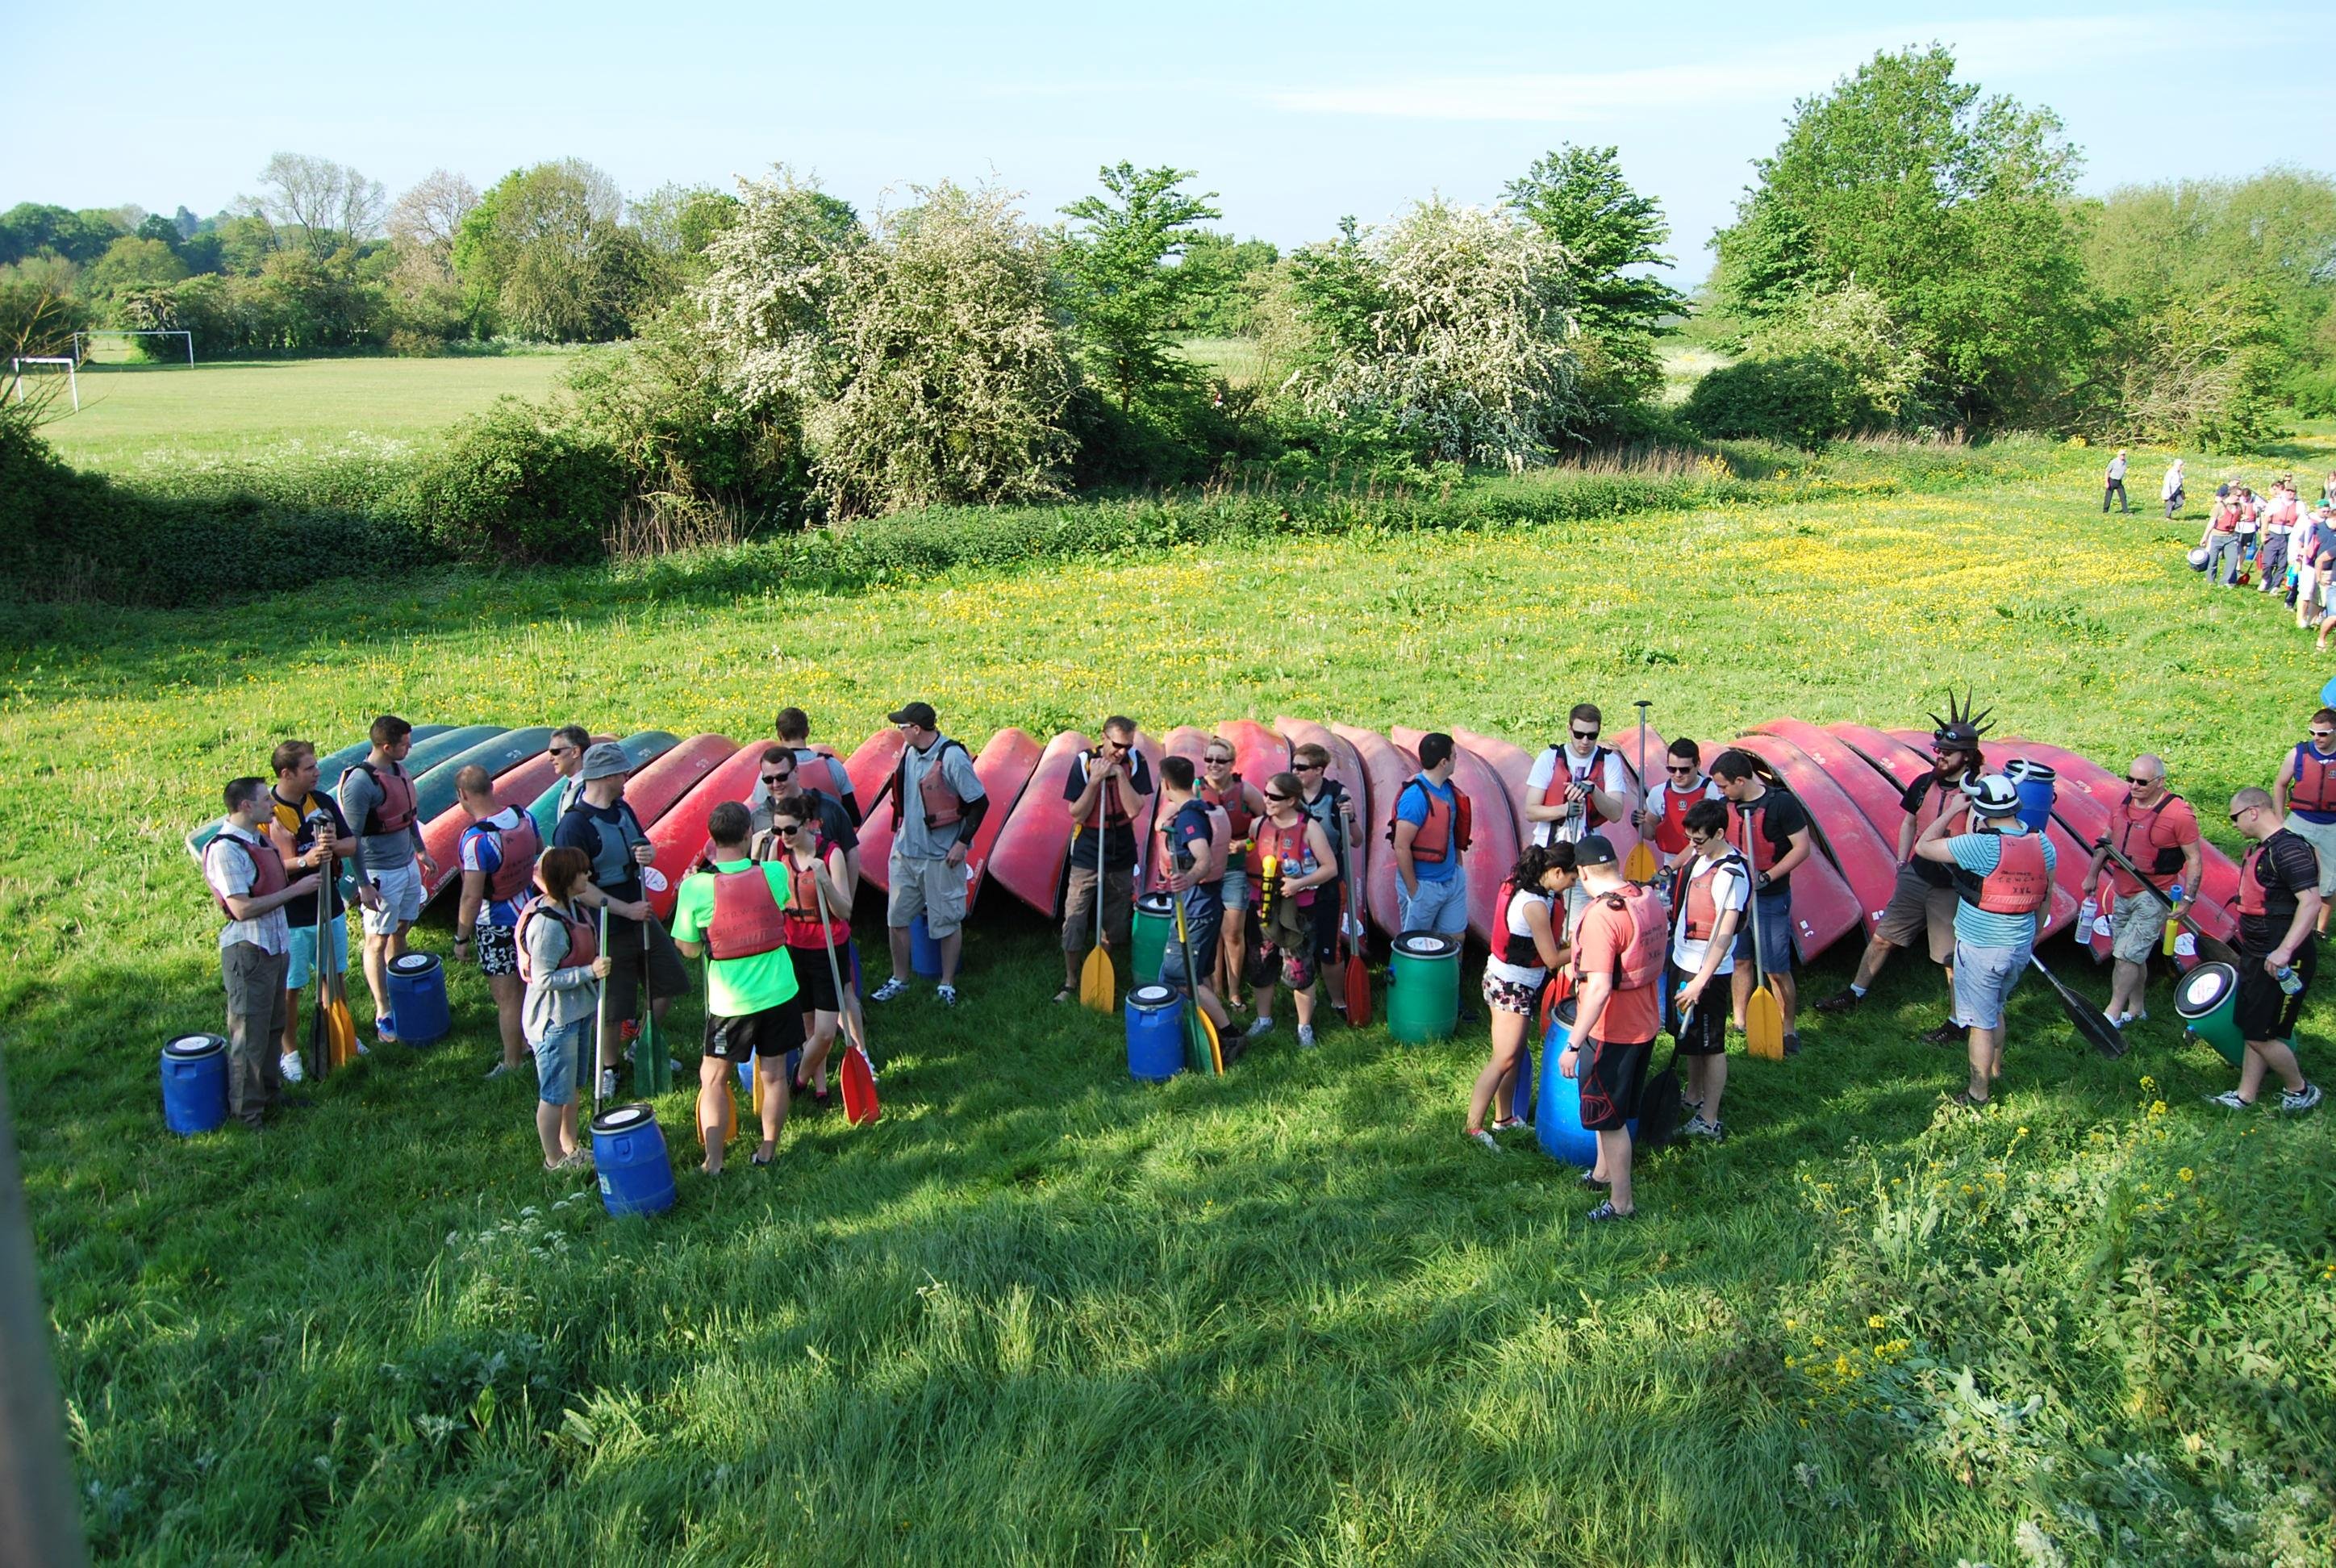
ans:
(1295, 114)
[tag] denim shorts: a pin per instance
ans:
(556, 1057)
(1984, 978)
(303, 951)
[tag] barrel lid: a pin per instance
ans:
(1426, 945)
(1155, 903)
(414, 963)
(1566, 1012)
(188, 1046)
(2028, 768)
(1149, 998)
(2202, 990)
(623, 1118)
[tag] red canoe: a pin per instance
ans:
(1387, 767)
(1192, 745)
(1876, 795)
(680, 835)
(1259, 753)
(1492, 848)
(442, 835)
(1026, 859)
(1004, 767)
(653, 791)
(1148, 810)
(1866, 864)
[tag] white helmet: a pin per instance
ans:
(1992, 795)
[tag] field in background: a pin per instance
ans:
(1684, 364)
(1042, 1313)
(1237, 359)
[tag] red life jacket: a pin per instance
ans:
(393, 814)
(942, 804)
(518, 847)
(802, 904)
(2163, 862)
(812, 765)
(2315, 780)
(747, 919)
(1561, 778)
(1744, 831)
(1641, 962)
(2019, 884)
(1691, 896)
(1940, 797)
(1115, 815)
(2253, 897)
(583, 944)
(1670, 825)
(1439, 838)
(1229, 800)
(1511, 946)
(268, 874)
(1286, 846)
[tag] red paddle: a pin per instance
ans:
(1358, 973)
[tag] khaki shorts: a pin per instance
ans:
(924, 885)
(2321, 837)
(1916, 910)
(2137, 927)
(1079, 908)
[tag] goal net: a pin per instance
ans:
(19, 364)
(84, 349)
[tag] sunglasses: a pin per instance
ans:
(1585, 735)
(1271, 796)
(1696, 838)
(2324, 734)
(776, 778)
(1115, 746)
(2140, 783)
(788, 830)
(2245, 812)
(560, 750)
(1678, 767)
(1306, 767)
(1218, 761)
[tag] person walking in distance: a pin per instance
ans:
(1575, 787)
(1526, 945)
(736, 914)
(2170, 489)
(498, 852)
(247, 880)
(1242, 802)
(1770, 829)
(1711, 887)
(2304, 794)
(604, 827)
(1106, 787)
(2280, 519)
(377, 795)
(2003, 882)
(2224, 549)
(937, 805)
(2113, 487)
(1663, 821)
(2156, 830)
(2280, 901)
(562, 968)
(1430, 830)
(309, 833)
(1619, 953)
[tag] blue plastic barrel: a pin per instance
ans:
(1557, 1123)
(1521, 1092)
(924, 953)
(2328, 693)
(1155, 1034)
(2033, 780)
(746, 1078)
(629, 1151)
(194, 1083)
(417, 997)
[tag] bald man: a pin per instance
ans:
(2157, 830)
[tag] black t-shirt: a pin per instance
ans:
(1781, 815)
(2286, 869)
(1911, 798)
(1325, 808)
(1119, 838)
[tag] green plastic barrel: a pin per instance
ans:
(1156, 927)
(2207, 999)
(1424, 992)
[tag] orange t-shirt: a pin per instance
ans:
(1631, 1017)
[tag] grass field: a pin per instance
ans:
(132, 416)
(1040, 1314)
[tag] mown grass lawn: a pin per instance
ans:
(1040, 1313)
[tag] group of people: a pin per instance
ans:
(2277, 542)
(1259, 872)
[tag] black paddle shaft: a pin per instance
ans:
(2213, 949)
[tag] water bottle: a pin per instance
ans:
(2290, 981)
(2088, 912)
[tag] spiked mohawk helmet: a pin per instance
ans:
(1960, 729)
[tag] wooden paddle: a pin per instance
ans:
(320, 1030)
(860, 1102)
(1764, 1015)
(2099, 1033)
(2213, 949)
(1096, 981)
(1640, 864)
(1358, 973)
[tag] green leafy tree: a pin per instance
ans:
(1224, 280)
(1949, 207)
(1578, 197)
(131, 263)
(30, 228)
(546, 246)
(1126, 297)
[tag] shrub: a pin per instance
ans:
(1801, 400)
(511, 489)
(687, 443)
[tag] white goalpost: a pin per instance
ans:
(72, 377)
(81, 343)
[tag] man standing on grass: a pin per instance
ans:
(604, 827)
(498, 852)
(1431, 827)
(1770, 829)
(310, 835)
(1619, 953)
(1106, 787)
(737, 915)
(2003, 880)
(775, 781)
(1324, 799)
(937, 804)
(2304, 794)
(1663, 822)
(2279, 902)
(377, 795)
(2115, 487)
(1195, 835)
(1922, 903)
(247, 877)
(819, 772)
(566, 748)
(2154, 829)
(1575, 787)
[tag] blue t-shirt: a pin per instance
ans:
(1411, 806)
(1188, 830)
(1979, 853)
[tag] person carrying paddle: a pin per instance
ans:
(377, 795)
(1923, 904)
(777, 778)
(937, 805)
(310, 835)
(2279, 902)
(1619, 951)
(1710, 889)
(1242, 802)
(2003, 884)
(1107, 785)
(1194, 836)
(498, 852)
(2304, 794)
(1430, 828)
(1290, 857)
(562, 967)
(736, 914)
(1770, 829)
(604, 827)
(817, 878)
(1527, 945)
(566, 749)
(1576, 786)
(818, 771)
(1662, 821)
(247, 880)
(2156, 830)
(1324, 799)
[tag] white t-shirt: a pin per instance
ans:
(227, 866)
(1729, 888)
(1614, 781)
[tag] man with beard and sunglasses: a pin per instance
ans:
(2157, 830)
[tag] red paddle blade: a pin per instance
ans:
(1358, 992)
(859, 1088)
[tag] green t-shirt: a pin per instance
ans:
(738, 986)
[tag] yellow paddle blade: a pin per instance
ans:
(1096, 981)
(1640, 865)
(1764, 1025)
(758, 1091)
(1216, 1048)
(729, 1115)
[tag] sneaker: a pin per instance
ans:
(1509, 1125)
(1696, 1127)
(1259, 1029)
(945, 995)
(2229, 1100)
(1305, 1036)
(289, 1065)
(363, 1049)
(1481, 1136)
(1607, 1211)
(2301, 1099)
(1839, 1003)
(1594, 1181)
(1947, 1034)
(608, 1083)
(498, 1069)
(895, 987)
(1792, 1044)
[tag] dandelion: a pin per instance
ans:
(1874, 1322)
(2186, 1173)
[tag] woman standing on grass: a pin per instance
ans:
(815, 870)
(1526, 946)
(1226, 791)
(562, 966)
(1302, 861)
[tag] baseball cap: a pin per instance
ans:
(1594, 850)
(920, 714)
(606, 760)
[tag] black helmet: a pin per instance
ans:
(1960, 729)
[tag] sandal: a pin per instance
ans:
(760, 1158)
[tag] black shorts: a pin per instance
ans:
(1612, 1079)
(1327, 908)
(2264, 1011)
(814, 988)
(1706, 1034)
(772, 1032)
